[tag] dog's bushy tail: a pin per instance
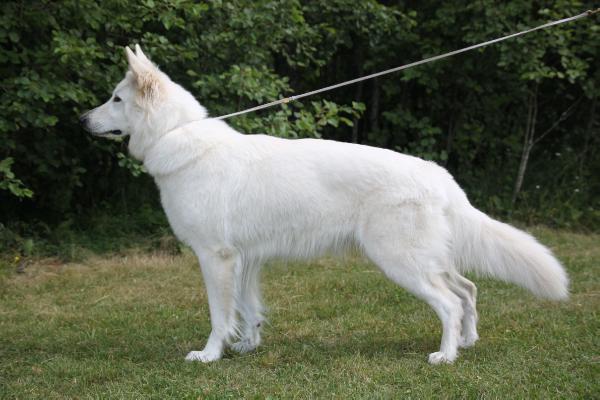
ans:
(492, 248)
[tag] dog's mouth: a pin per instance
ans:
(93, 128)
(116, 132)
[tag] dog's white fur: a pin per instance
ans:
(241, 200)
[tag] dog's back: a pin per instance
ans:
(274, 197)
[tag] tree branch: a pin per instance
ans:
(566, 114)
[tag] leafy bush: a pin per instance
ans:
(472, 113)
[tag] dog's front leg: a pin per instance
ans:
(218, 271)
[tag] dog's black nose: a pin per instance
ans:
(83, 119)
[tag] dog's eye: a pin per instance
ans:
(117, 99)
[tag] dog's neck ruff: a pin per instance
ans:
(186, 124)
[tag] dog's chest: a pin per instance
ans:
(193, 209)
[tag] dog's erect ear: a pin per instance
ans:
(147, 76)
(140, 55)
(136, 65)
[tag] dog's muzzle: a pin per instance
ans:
(85, 122)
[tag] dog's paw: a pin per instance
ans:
(244, 346)
(440, 357)
(468, 340)
(202, 356)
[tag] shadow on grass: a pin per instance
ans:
(312, 349)
(141, 345)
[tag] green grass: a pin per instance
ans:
(119, 327)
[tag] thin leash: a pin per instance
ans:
(406, 66)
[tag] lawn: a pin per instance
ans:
(120, 327)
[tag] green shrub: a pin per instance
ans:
(469, 113)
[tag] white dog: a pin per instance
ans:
(241, 200)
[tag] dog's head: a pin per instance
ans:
(145, 105)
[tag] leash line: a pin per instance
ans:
(410, 65)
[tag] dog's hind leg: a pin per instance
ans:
(249, 305)
(218, 269)
(467, 291)
(434, 289)
(409, 244)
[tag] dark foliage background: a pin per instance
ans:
(516, 123)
